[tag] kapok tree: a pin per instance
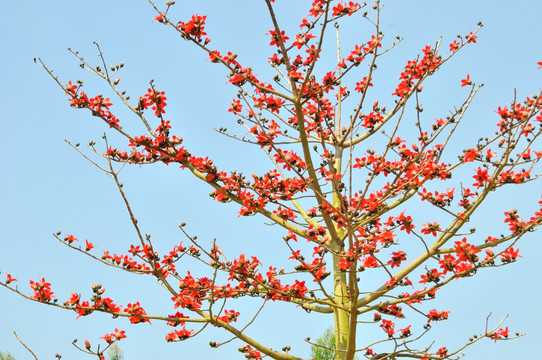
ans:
(343, 209)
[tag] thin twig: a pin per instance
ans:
(25, 346)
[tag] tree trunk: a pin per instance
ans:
(341, 315)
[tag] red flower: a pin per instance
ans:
(275, 60)
(159, 18)
(501, 334)
(9, 279)
(362, 85)
(466, 81)
(431, 228)
(277, 38)
(431, 276)
(89, 246)
(388, 327)
(510, 255)
(397, 258)
(71, 88)
(481, 177)
(229, 316)
(471, 38)
(107, 338)
(374, 42)
(406, 222)
(466, 251)
(454, 46)
(301, 40)
(70, 239)
(435, 315)
(406, 331)
(119, 334)
(391, 282)
(317, 7)
(295, 76)
(73, 300)
(442, 352)
(214, 56)
(236, 107)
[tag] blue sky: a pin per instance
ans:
(46, 186)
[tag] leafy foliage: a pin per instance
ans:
(6, 356)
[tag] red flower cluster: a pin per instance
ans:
(194, 28)
(179, 335)
(435, 315)
(42, 290)
(116, 336)
(415, 71)
(229, 316)
(342, 9)
(250, 353)
(136, 311)
(154, 99)
(98, 105)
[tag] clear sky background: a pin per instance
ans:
(46, 186)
